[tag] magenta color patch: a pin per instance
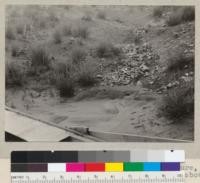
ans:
(75, 167)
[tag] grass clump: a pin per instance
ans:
(87, 17)
(101, 15)
(39, 57)
(14, 75)
(183, 14)
(67, 31)
(10, 33)
(57, 37)
(105, 50)
(179, 102)
(78, 55)
(20, 29)
(81, 31)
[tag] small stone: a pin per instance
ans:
(169, 85)
(139, 83)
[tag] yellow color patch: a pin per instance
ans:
(114, 167)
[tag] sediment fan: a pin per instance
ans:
(53, 132)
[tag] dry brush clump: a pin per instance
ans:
(180, 15)
(158, 11)
(14, 75)
(62, 77)
(14, 50)
(179, 102)
(106, 49)
(78, 55)
(39, 58)
(178, 60)
(87, 74)
(65, 86)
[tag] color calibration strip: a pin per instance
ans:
(96, 167)
(97, 156)
(96, 161)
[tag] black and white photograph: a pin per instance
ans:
(99, 73)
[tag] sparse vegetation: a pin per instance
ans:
(14, 75)
(78, 55)
(105, 49)
(181, 15)
(39, 57)
(81, 31)
(179, 102)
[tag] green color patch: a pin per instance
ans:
(133, 166)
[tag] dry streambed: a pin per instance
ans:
(135, 114)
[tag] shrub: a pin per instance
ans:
(10, 33)
(158, 11)
(101, 15)
(14, 75)
(178, 60)
(14, 50)
(81, 31)
(65, 86)
(39, 57)
(78, 55)
(181, 15)
(179, 102)
(86, 74)
(67, 30)
(57, 37)
(105, 49)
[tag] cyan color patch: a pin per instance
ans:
(152, 166)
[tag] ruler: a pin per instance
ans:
(100, 177)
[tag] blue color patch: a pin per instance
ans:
(152, 166)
